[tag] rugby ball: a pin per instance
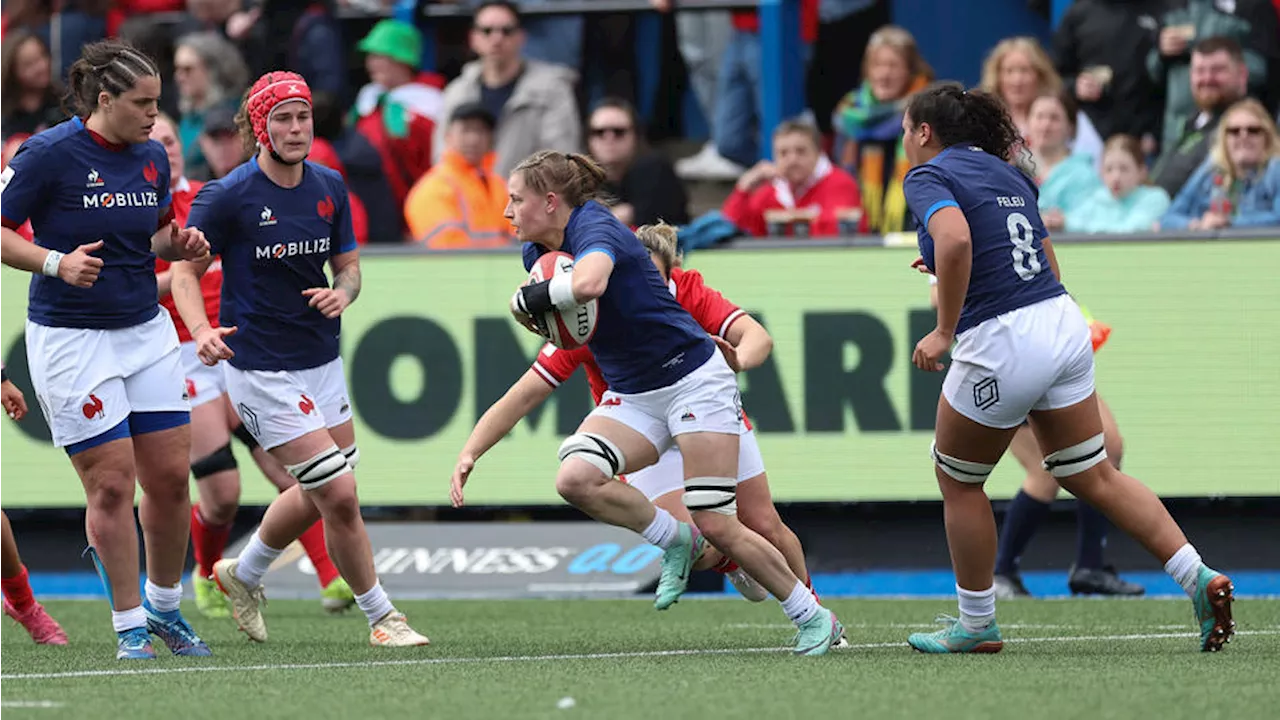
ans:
(571, 328)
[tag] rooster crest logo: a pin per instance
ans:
(267, 217)
(306, 405)
(325, 209)
(95, 179)
(94, 408)
(150, 173)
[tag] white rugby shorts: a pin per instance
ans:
(204, 383)
(278, 406)
(88, 381)
(1038, 357)
(705, 400)
(667, 475)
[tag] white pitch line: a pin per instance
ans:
(555, 658)
(924, 626)
(30, 704)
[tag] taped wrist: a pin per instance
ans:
(535, 299)
(561, 291)
(51, 263)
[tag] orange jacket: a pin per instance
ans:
(456, 206)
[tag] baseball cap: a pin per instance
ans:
(474, 111)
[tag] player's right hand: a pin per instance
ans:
(209, 345)
(461, 472)
(80, 269)
(12, 400)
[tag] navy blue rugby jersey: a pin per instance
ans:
(274, 243)
(644, 339)
(77, 188)
(1010, 268)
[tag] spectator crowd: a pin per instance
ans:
(1140, 115)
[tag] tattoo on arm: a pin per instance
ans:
(349, 280)
(184, 286)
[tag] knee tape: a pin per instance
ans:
(328, 465)
(962, 470)
(712, 494)
(595, 449)
(243, 435)
(219, 460)
(353, 455)
(1077, 458)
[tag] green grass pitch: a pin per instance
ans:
(622, 659)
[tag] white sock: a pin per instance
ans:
(375, 603)
(163, 599)
(1184, 567)
(128, 619)
(977, 607)
(663, 530)
(255, 560)
(800, 605)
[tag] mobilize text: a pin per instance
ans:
(147, 198)
(275, 251)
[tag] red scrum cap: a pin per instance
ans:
(269, 92)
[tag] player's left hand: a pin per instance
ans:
(525, 319)
(12, 400)
(329, 301)
(918, 264)
(188, 242)
(929, 349)
(461, 472)
(730, 353)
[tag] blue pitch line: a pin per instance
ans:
(878, 583)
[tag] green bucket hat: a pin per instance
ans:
(395, 39)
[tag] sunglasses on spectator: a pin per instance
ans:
(504, 30)
(615, 132)
(1250, 130)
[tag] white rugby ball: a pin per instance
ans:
(573, 327)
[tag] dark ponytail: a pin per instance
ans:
(958, 116)
(108, 65)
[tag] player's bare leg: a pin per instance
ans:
(107, 473)
(1090, 575)
(165, 514)
(326, 488)
(336, 595)
(1072, 440)
(711, 470)
(19, 602)
(965, 453)
(757, 511)
(715, 455)
(585, 482)
(711, 558)
(590, 459)
(10, 560)
(213, 465)
(970, 523)
(165, 508)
